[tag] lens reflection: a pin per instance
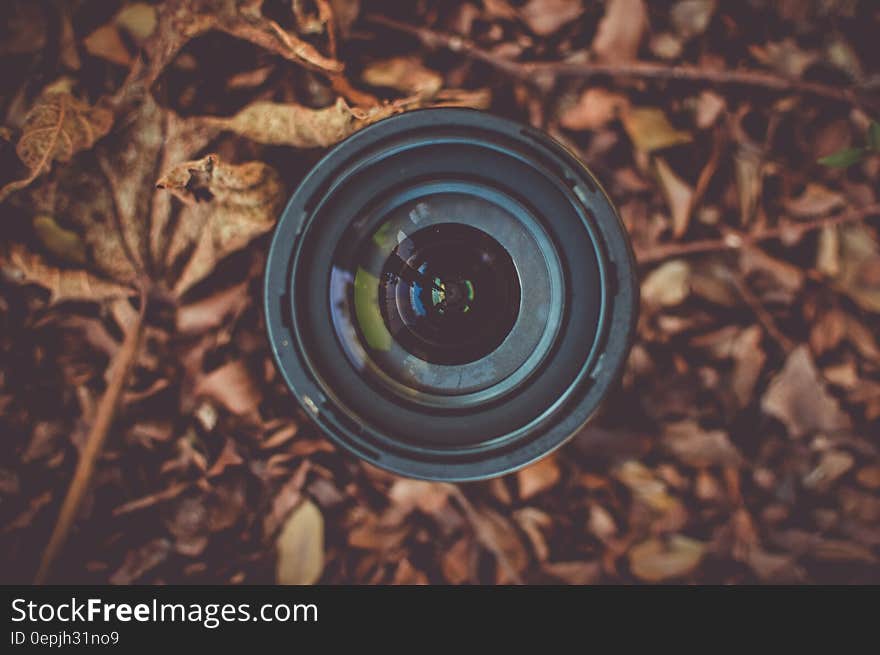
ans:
(449, 294)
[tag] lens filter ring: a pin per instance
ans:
(449, 294)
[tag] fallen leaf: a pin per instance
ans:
(213, 311)
(594, 109)
(292, 125)
(620, 30)
(858, 273)
(232, 386)
(667, 285)
(695, 446)
(141, 560)
(538, 477)
(691, 17)
(300, 547)
(575, 573)
(226, 207)
(784, 57)
(138, 19)
(650, 130)
(56, 128)
(656, 560)
(62, 283)
(832, 465)
(797, 397)
(405, 74)
(106, 43)
(546, 17)
(59, 241)
(816, 200)
(679, 195)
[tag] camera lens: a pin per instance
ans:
(450, 295)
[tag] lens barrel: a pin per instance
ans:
(450, 295)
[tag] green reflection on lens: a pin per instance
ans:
(366, 308)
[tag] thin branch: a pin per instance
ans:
(120, 369)
(736, 240)
(539, 71)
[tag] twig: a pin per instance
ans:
(736, 240)
(761, 313)
(538, 71)
(121, 367)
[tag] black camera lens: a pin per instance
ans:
(449, 294)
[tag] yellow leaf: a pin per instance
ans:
(650, 130)
(63, 243)
(301, 547)
(654, 560)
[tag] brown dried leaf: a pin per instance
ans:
(859, 267)
(798, 398)
(595, 108)
(816, 200)
(405, 74)
(106, 43)
(667, 285)
(679, 195)
(656, 560)
(226, 206)
(62, 283)
(56, 128)
(538, 477)
(140, 561)
(301, 546)
(691, 17)
(649, 129)
(292, 125)
(232, 386)
(545, 17)
(695, 446)
(620, 30)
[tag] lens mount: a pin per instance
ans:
(449, 294)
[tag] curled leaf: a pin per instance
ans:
(227, 205)
(62, 283)
(291, 125)
(56, 128)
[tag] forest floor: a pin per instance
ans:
(148, 148)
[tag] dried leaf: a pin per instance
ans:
(650, 130)
(106, 43)
(797, 397)
(695, 446)
(816, 200)
(59, 241)
(691, 17)
(292, 125)
(405, 74)
(546, 17)
(858, 274)
(679, 195)
(595, 108)
(62, 283)
(620, 30)
(56, 128)
(667, 285)
(301, 547)
(538, 477)
(232, 386)
(226, 206)
(656, 560)
(138, 19)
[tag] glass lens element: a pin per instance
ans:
(449, 293)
